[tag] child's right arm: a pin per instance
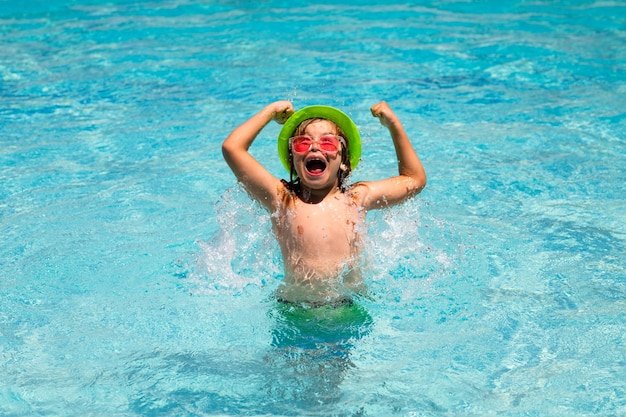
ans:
(256, 179)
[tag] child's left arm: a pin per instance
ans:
(411, 178)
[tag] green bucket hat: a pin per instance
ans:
(320, 112)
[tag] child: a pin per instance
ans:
(316, 216)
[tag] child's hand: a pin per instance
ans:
(282, 110)
(384, 113)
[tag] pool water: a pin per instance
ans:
(136, 276)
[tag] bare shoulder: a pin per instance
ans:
(371, 194)
(284, 195)
(359, 193)
(385, 193)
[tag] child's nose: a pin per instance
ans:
(315, 146)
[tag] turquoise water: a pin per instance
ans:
(136, 277)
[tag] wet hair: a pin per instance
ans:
(342, 175)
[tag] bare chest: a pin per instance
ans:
(330, 224)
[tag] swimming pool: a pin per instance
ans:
(136, 278)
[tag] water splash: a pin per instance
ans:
(400, 254)
(404, 253)
(243, 251)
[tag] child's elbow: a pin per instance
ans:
(416, 184)
(423, 181)
(228, 150)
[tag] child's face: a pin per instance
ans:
(315, 167)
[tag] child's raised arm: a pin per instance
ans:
(412, 177)
(255, 178)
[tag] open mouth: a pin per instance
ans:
(315, 166)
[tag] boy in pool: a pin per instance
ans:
(316, 216)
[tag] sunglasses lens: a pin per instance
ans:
(329, 143)
(301, 144)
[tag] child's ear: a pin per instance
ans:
(343, 167)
